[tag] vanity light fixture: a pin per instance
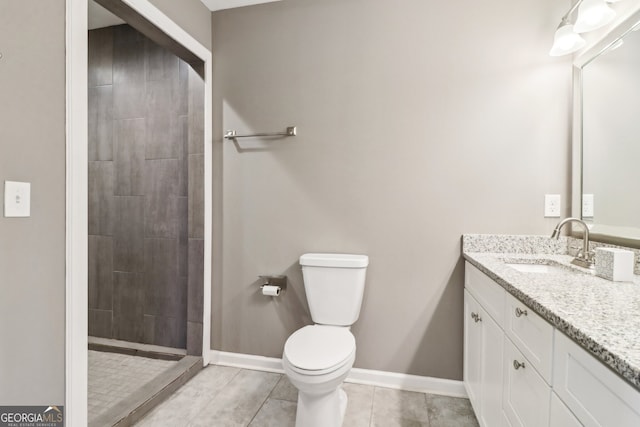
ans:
(592, 14)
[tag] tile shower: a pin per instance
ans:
(146, 192)
(146, 166)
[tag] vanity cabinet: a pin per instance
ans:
(519, 371)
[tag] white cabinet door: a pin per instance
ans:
(560, 415)
(472, 350)
(526, 396)
(492, 372)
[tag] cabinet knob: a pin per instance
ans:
(517, 365)
(476, 317)
(520, 312)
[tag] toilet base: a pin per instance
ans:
(326, 410)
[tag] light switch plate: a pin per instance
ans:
(552, 206)
(587, 206)
(17, 199)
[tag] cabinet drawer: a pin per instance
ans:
(531, 334)
(526, 396)
(560, 415)
(488, 293)
(596, 395)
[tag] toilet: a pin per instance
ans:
(317, 358)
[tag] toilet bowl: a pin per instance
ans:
(317, 358)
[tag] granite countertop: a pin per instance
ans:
(601, 316)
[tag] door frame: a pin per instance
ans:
(76, 298)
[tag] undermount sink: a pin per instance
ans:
(536, 268)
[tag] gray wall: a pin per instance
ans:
(192, 15)
(32, 148)
(145, 130)
(418, 122)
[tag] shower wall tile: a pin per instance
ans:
(128, 100)
(196, 280)
(126, 34)
(101, 123)
(100, 323)
(129, 157)
(129, 62)
(196, 113)
(101, 201)
(100, 59)
(100, 272)
(183, 156)
(164, 133)
(182, 102)
(161, 64)
(167, 331)
(128, 250)
(196, 196)
(194, 339)
(128, 300)
(183, 239)
(162, 289)
(161, 198)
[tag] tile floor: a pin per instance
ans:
(114, 376)
(223, 396)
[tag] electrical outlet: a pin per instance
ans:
(552, 206)
(587, 206)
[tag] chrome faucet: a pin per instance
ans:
(584, 258)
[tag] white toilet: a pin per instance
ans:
(317, 358)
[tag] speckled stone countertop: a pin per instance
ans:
(601, 316)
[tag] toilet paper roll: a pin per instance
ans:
(271, 291)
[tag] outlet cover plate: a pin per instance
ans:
(17, 199)
(587, 206)
(552, 206)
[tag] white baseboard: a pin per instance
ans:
(393, 380)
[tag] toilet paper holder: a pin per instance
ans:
(279, 281)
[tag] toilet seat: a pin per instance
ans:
(319, 349)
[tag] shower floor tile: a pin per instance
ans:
(224, 396)
(114, 376)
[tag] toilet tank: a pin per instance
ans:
(334, 284)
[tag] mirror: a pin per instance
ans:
(607, 136)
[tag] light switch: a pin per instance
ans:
(17, 199)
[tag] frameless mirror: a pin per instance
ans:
(607, 136)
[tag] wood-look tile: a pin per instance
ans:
(128, 243)
(170, 332)
(196, 113)
(161, 198)
(100, 272)
(101, 209)
(129, 100)
(166, 292)
(196, 196)
(164, 130)
(161, 64)
(128, 303)
(241, 400)
(194, 338)
(195, 301)
(128, 62)
(447, 411)
(183, 236)
(100, 323)
(129, 157)
(100, 57)
(182, 103)
(100, 123)
(126, 34)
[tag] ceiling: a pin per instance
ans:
(214, 5)
(100, 17)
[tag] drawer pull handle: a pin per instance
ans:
(520, 312)
(517, 365)
(476, 317)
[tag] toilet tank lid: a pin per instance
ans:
(334, 260)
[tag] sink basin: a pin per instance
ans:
(536, 268)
